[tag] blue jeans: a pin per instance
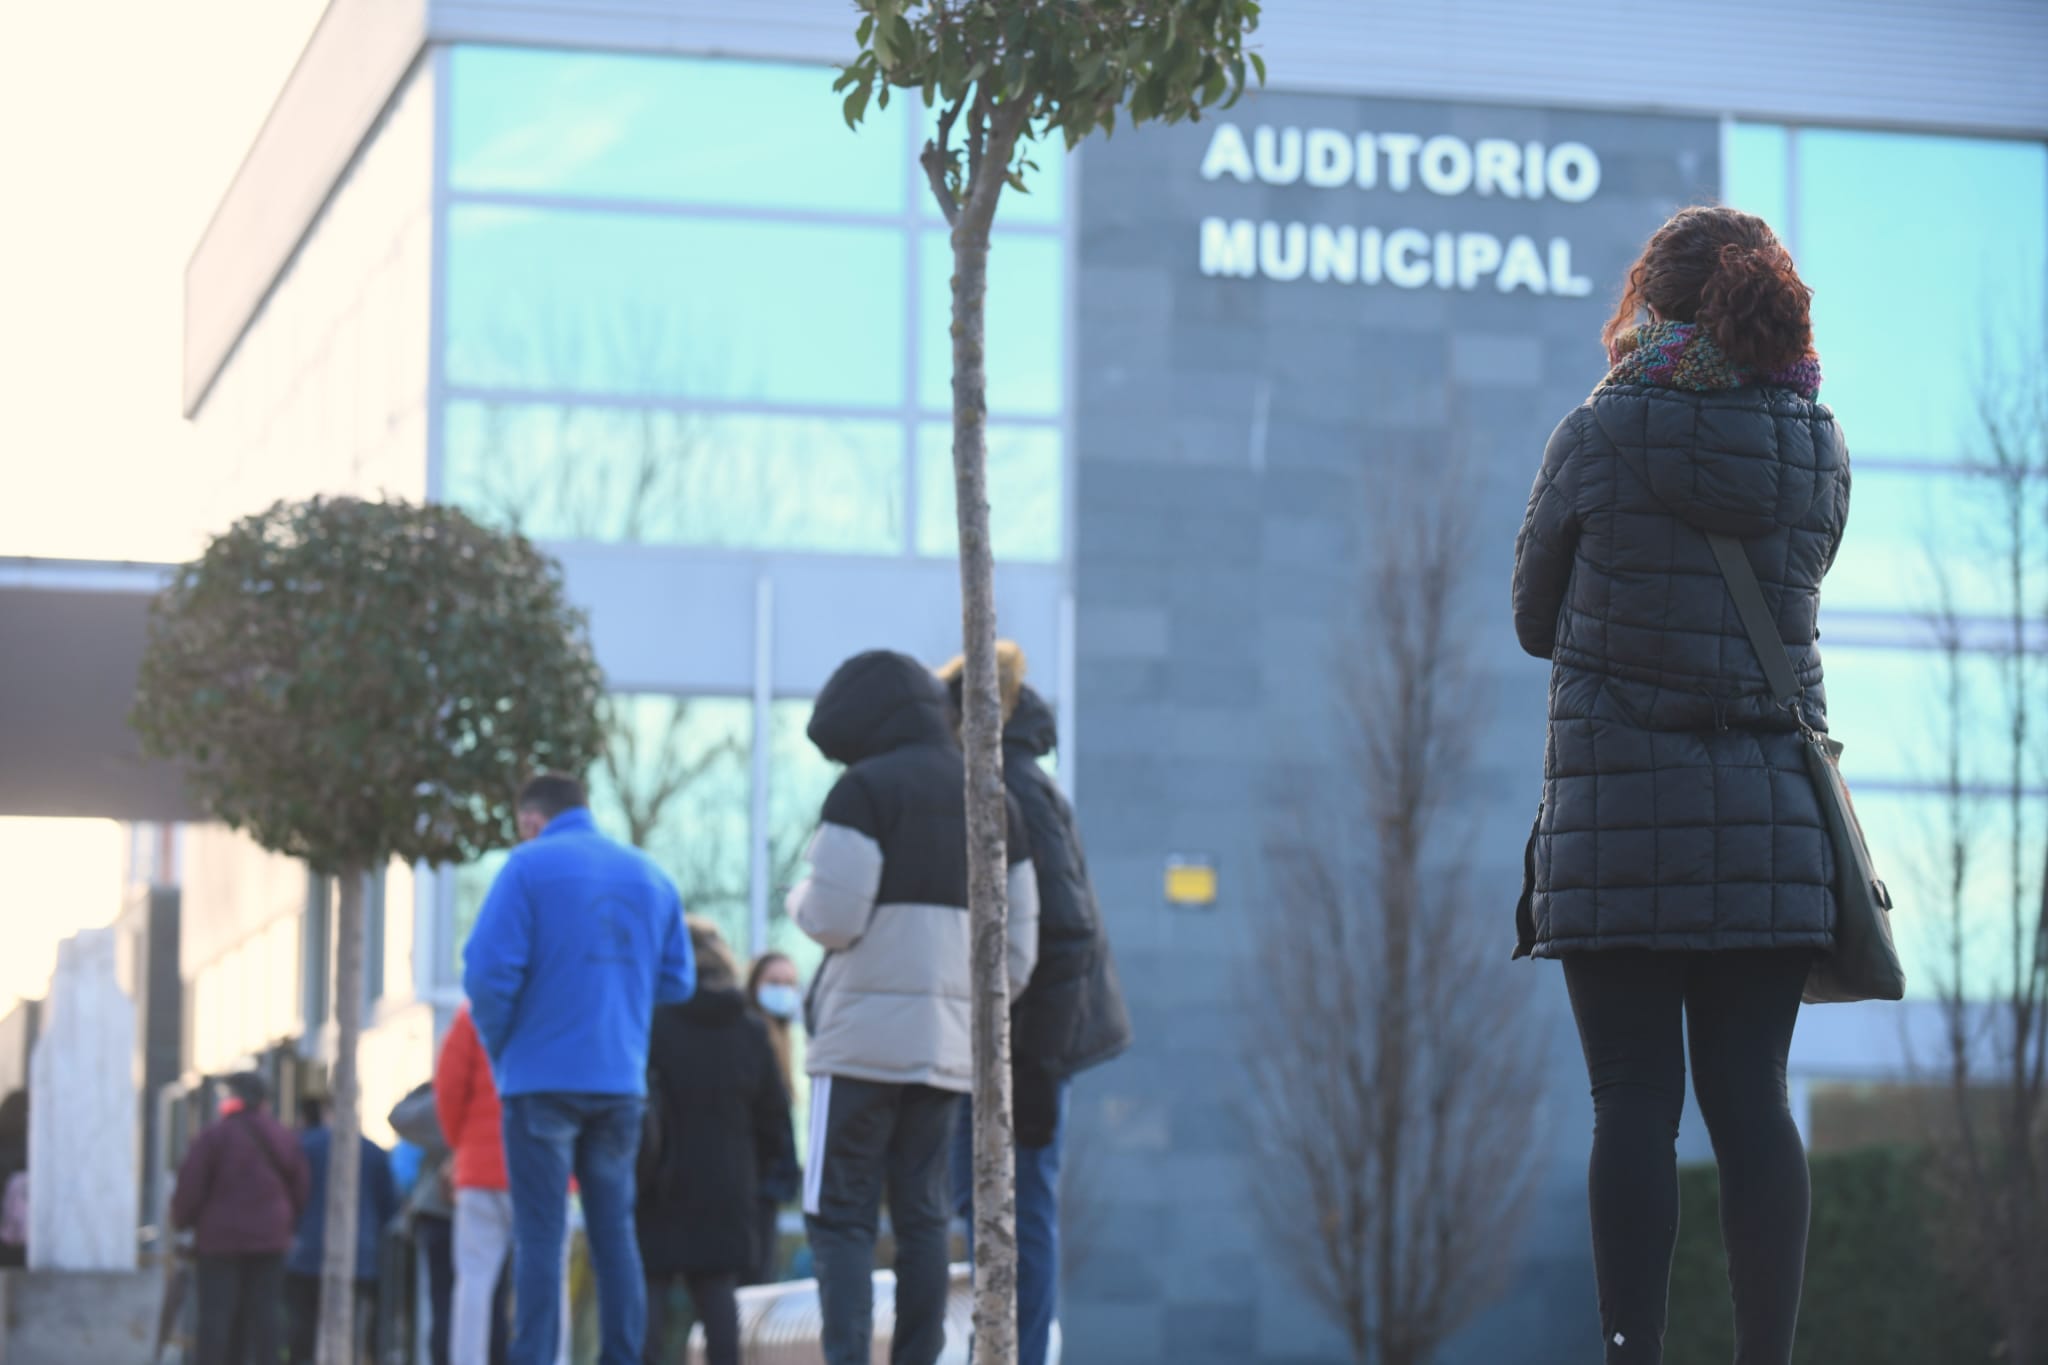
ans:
(1038, 1226)
(597, 1138)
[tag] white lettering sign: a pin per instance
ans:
(1444, 165)
(1407, 258)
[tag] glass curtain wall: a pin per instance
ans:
(686, 306)
(1926, 256)
(686, 309)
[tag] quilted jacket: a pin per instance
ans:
(1677, 812)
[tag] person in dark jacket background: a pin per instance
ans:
(890, 1015)
(1070, 1018)
(775, 991)
(376, 1206)
(724, 1125)
(429, 1208)
(1679, 864)
(13, 1163)
(240, 1190)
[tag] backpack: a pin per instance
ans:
(14, 1211)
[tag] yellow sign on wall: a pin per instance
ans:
(1189, 882)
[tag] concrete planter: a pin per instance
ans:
(780, 1324)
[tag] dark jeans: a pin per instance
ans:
(876, 1135)
(302, 1318)
(1038, 1226)
(238, 1302)
(596, 1138)
(718, 1309)
(1739, 1009)
(435, 1238)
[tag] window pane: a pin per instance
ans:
(1024, 493)
(1924, 253)
(1913, 840)
(646, 476)
(1901, 525)
(673, 129)
(1869, 689)
(1754, 179)
(716, 309)
(1023, 322)
(676, 782)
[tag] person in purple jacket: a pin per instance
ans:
(240, 1191)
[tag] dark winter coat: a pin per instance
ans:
(724, 1127)
(242, 1187)
(887, 890)
(1072, 1016)
(1677, 812)
(376, 1206)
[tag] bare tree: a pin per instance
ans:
(1395, 1078)
(1992, 1134)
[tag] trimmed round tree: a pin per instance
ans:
(354, 683)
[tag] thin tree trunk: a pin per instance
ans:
(337, 1344)
(995, 1155)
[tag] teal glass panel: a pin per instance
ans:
(670, 129)
(650, 476)
(716, 308)
(1025, 493)
(1023, 325)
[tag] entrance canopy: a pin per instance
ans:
(71, 638)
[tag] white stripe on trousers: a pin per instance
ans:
(821, 1124)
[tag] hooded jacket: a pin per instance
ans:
(1677, 811)
(1072, 1016)
(887, 891)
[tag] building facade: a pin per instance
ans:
(621, 278)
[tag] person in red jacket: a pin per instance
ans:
(241, 1190)
(466, 1099)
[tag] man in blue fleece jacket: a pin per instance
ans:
(577, 942)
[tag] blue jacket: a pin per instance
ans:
(577, 942)
(376, 1206)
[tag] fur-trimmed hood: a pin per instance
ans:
(1011, 666)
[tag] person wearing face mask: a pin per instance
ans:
(777, 996)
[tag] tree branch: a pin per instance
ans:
(937, 162)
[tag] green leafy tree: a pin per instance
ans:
(1004, 75)
(352, 683)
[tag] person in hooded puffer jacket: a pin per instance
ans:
(1679, 865)
(1071, 1017)
(890, 1013)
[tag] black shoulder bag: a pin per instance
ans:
(1864, 964)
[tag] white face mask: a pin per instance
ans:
(779, 1001)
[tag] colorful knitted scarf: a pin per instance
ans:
(1680, 355)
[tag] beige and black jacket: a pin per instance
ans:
(887, 891)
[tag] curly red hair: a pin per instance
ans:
(1726, 271)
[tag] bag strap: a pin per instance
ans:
(256, 1135)
(1757, 620)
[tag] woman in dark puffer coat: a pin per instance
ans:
(724, 1128)
(1679, 866)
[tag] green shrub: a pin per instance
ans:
(1875, 1290)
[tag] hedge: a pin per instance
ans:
(1875, 1291)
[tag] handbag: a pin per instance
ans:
(1864, 964)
